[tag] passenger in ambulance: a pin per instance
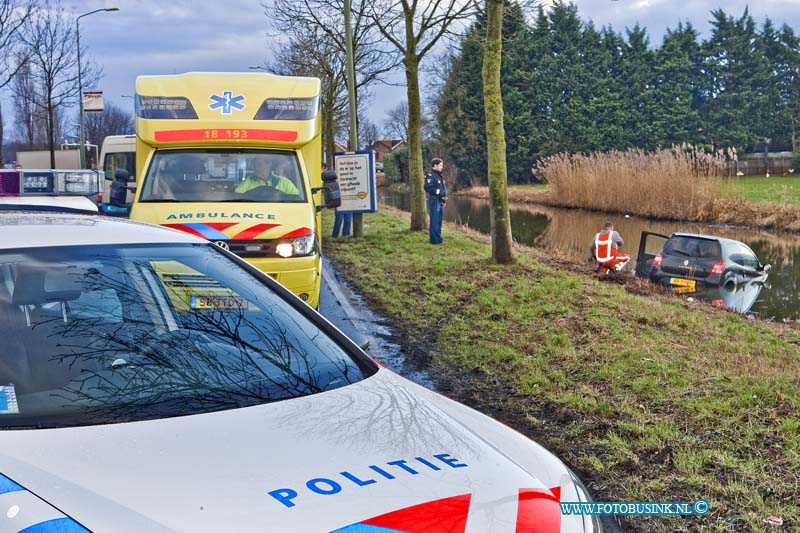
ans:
(182, 176)
(263, 177)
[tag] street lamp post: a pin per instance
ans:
(80, 84)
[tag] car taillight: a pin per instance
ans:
(718, 268)
(659, 258)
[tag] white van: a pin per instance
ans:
(119, 151)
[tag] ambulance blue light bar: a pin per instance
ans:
(164, 107)
(288, 109)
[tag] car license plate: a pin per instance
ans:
(683, 282)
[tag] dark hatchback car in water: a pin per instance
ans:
(688, 259)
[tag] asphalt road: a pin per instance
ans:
(335, 304)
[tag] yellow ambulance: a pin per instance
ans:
(236, 158)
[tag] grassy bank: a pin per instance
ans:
(646, 398)
(760, 189)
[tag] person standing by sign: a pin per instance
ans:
(436, 189)
(342, 220)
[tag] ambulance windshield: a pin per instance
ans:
(224, 176)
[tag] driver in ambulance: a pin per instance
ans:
(262, 177)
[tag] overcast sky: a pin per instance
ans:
(157, 37)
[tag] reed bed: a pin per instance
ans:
(675, 183)
(681, 183)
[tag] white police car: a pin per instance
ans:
(150, 381)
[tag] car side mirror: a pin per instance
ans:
(766, 268)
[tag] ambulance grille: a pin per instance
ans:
(252, 248)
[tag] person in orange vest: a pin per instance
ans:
(605, 248)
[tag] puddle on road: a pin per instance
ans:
(384, 342)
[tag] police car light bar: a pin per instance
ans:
(50, 183)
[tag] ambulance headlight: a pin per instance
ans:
(303, 245)
(284, 249)
(296, 247)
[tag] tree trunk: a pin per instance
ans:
(416, 168)
(328, 127)
(1, 138)
(51, 142)
(502, 251)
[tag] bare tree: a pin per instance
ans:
(54, 66)
(319, 24)
(112, 121)
(371, 59)
(502, 251)
(396, 123)
(367, 132)
(413, 28)
(29, 119)
(313, 53)
(13, 56)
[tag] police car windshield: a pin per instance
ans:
(108, 334)
(224, 176)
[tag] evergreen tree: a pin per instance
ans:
(461, 107)
(568, 87)
(676, 87)
(737, 77)
(637, 90)
(780, 49)
(569, 78)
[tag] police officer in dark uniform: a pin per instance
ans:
(436, 189)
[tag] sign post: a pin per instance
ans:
(356, 174)
(93, 101)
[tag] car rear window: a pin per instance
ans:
(741, 254)
(105, 334)
(696, 247)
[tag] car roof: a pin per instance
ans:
(34, 229)
(722, 240)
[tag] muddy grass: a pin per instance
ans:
(648, 397)
(731, 211)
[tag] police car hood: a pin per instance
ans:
(383, 453)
